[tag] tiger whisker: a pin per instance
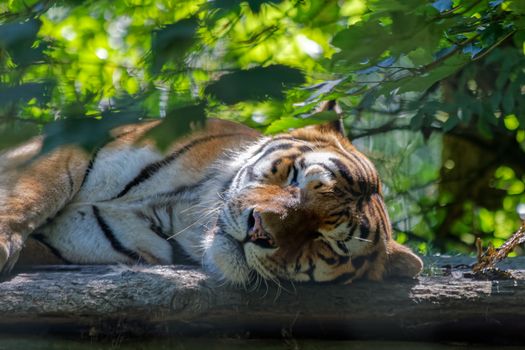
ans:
(362, 239)
(191, 225)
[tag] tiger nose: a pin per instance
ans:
(256, 232)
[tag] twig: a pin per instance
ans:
(489, 258)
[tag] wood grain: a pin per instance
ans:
(182, 300)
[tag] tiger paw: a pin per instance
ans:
(9, 252)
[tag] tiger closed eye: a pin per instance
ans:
(317, 185)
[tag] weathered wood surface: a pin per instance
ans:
(183, 300)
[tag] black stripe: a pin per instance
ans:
(339, 214)
(341, 245)
(90, 166)
(359, 261)
(275, 164)
(71, 182)
(344, 173)
(343, 278)
(364, 228)
(178, 254)
(275, 148)
(257, 154)
(95, 154)
(343, 259)
(327, 245)
(327, 168)
(70, 177)
(311, 269)
(170, 195)
(369, 182)
(294, 182)
(42, 239)
(351, 231)
(305, 149)
(278, 138)
(327, 259)
(372, 257)
(263, 146)
(298, 263)
(365, 169)
(169, 213)
(382, 212)
(155, 225)
(182, 190)
(249, 173)
(153, 168)
(302, 163)
(111, 237)
(382, 225)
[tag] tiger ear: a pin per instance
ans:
(401, 261)
(337, 125)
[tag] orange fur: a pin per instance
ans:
(332, 226)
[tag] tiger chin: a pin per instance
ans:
(302, 206)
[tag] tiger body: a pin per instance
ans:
(303, 206)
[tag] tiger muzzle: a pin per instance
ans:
(257, 234)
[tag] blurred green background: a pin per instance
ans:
(432, 91)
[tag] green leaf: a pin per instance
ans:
(451, 123)
(178, 122)
(12, 134)
(88, 133)
(287, 123)
(495, 99)
(410, 6)
(255, 84)
(508, 101)
(24, 55)
(18, 39)
(255, 5)
(361, 42)
(418, 120)
(420, 56)
(517, 6)
(412, 33)
(172, 42)
(14, 34)
(25, 92)
(421, 83)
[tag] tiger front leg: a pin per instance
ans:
(10, 247)
(32, 190)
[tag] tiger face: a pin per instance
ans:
(306, 206)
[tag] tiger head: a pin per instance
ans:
(305, 206)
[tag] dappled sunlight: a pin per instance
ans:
(431, 91)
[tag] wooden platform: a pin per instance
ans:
(445, 303)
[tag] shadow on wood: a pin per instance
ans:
(181, 300)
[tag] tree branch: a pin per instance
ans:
(182, 300)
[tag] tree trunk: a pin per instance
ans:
(182, 300)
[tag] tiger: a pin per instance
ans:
(301, 206)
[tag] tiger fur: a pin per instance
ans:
(301, 206)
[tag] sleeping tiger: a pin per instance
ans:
(301, 206)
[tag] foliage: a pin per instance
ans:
(412, 69)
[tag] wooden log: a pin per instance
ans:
(182, 300)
